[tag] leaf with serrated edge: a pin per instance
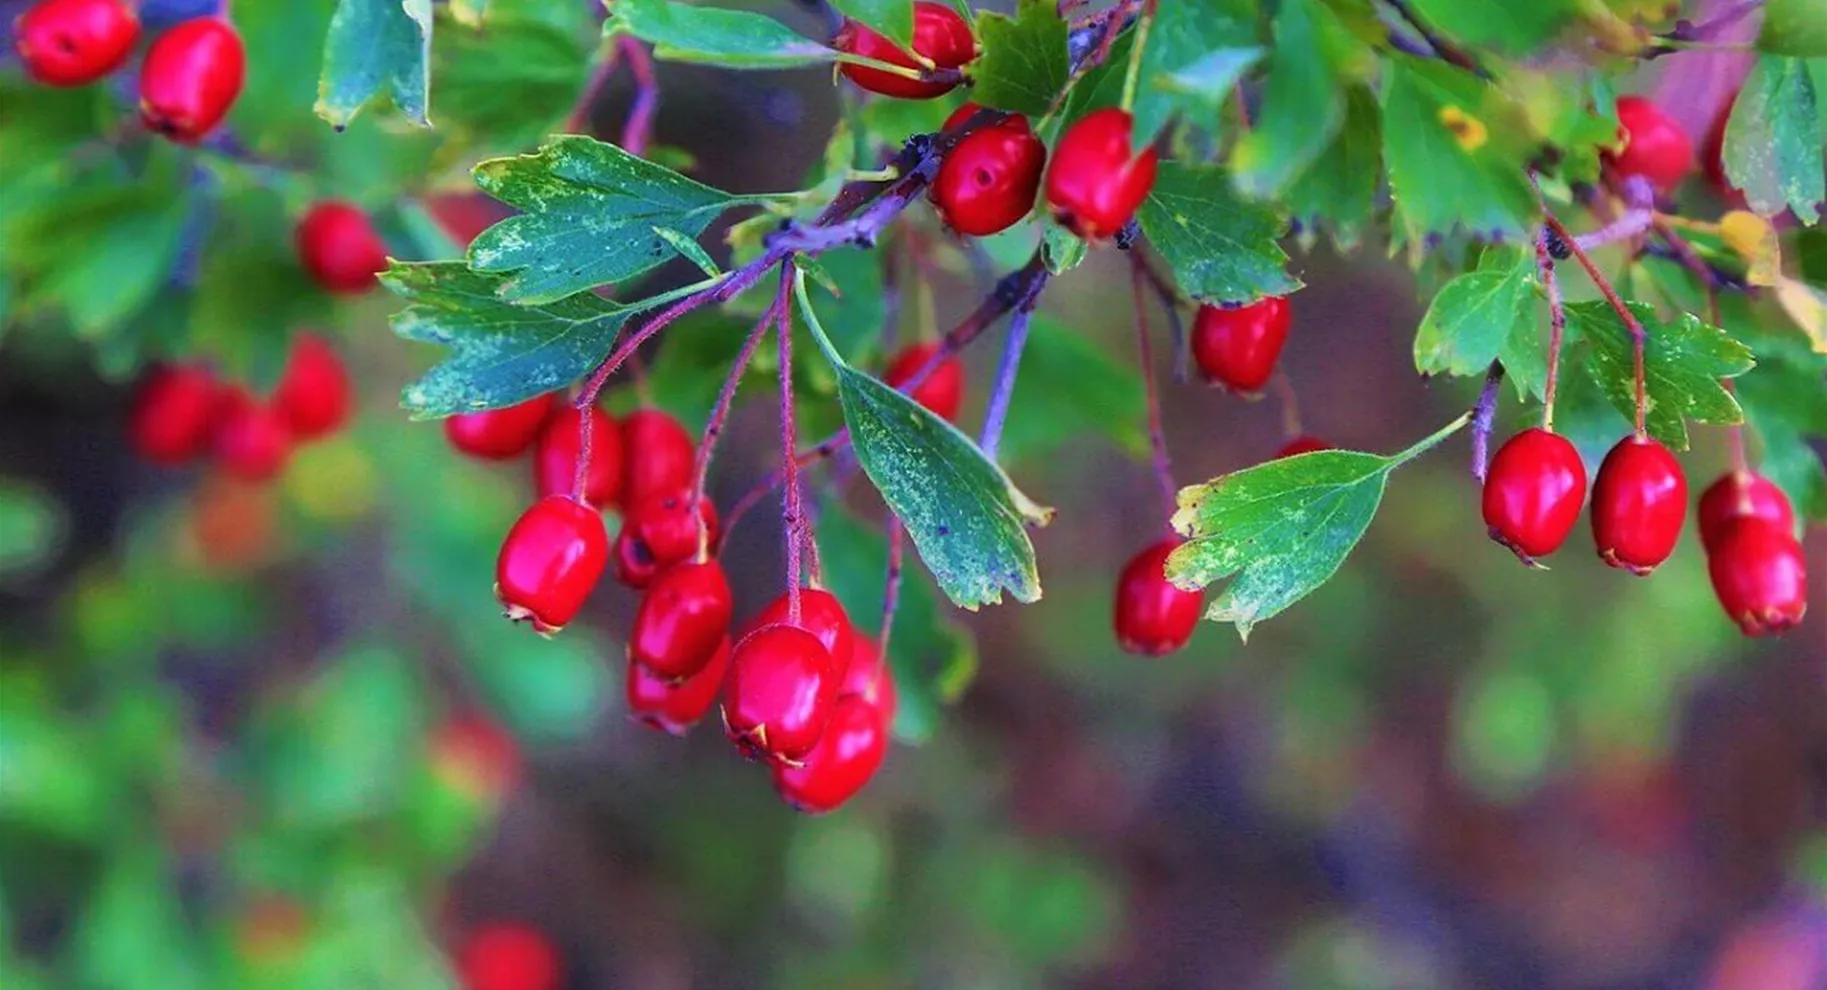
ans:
(1683, 362)
(1025, 62)
(377, 47)
(1476, 180)
(736, 38)
(1222, 249)
(1774, 137)
(1338, 193)
(590, 213)
(1473, 316)
(1283, 527)
(1303, 107)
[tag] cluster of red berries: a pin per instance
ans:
(989, 181)
(183, 411)
(190, 76)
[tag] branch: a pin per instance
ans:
(1545, 253)
(1483, 415)
(1003, 392)
(637, 130)
(1157, 437)
(1441, 48)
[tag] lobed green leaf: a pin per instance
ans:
(377, 48)
(738, 39)
(1025, 63)
(1457, 154)
(1774, 140)
(1222, 249)
(1683, 360)
(1475, 317)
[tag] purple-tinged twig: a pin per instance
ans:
(1557, 320)
(1639, 337)
(637, 130)
(1443, 49)
(1003, 391)
(1484, 414)
(891, 590)
(1639, 214)
(1157, 436)
(726, 398)
(792, 509)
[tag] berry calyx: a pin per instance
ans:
(75, 42)
(1639, 501)
(658, 456)
(550, 562)
(672, 707)
(659, 533)
(822, 615)
(988, 181)
(1654, 145)
(870, 678)
(173, 413)
(500, 434)
(1097, 179)
(1533, 492)
(1303, 444)
(561, 447)
(509, 956)
(682, 618)
(314, 391)
(339, 246)
(942, 391)
(778, 699)
(1153, 616)
(190, 78)
(846, 757)
(1742, 495)
(251, 439)
(940, 35)
(1759, 576)
(1237, 347)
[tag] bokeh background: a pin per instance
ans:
(239, 743)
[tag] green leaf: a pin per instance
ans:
(1338, 193)
(1794, 27)
(590, 213)
(100, 251)
(1070, 388)
(1683, 362)
(1507, 26)
(1211, 79)
(51, 783)
(500, 353)
(734, 38)
(510, 84)
(1222, 249)
(1061, 249)
(1182, 35)
(893, 19)
(133, 934)
(1774, 138)
(1475, 315)
(1457, 154)
(376, 48)
(1786, 403)
(1283, 527)
(1025, 63)
(1303, 107)
(31, 524)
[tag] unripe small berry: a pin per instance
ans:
(1759, 576)
(1098, 179)
(500, 434)
(846, 757)
(988, 180)
(681, 619)
(1655, 146)
(75, 42)
(1639, 502)
(509, 956)
(190, 77)
(561, 448)
(674, 707)
(658, 456)
(1237, 347)
(314, 393)
(173, 414)
(940, 34)
(1740, 495)
(778, 700)
(1533, 491)
(550, 562)
(659, 533)
(251, 440)
(942, 391)
(1153, 616)
(339, 246)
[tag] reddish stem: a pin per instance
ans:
(1638, 336)
(1290, 404)
(637, 130)
(726, 398)
(1157, 437)
(792, 508)
(1557, 325)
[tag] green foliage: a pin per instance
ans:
(377, 48)
(1303, 106)
(1794, 27)
(735, 38)
(508, 85)
(1684, 363)
(1221, 249)
(1479, 316)
(1071, 390)
(1774, 138)
(1024, 63)
(1457, 153)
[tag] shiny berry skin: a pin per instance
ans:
(674, 708)
(1238, 347)
(659, 533)
(314, 392)
(550, 562)
(1303, 444)
(1097, 179)
(173, 414)
(560, 445)
(75, 42)
(657, 456)
(500, 434)
(682, 618)
(1759, 576)
(1738, 495)
(190, 77)
(778, 698)
(942, 391)
(1154, 617)
(1533, 491)
(939, 33)
(988, 181)
(509, 956)
(1639, 501)
(339, 246)
(870, 678)
(1654, 145)
(822, 615)
(251, 441)
(846, 757)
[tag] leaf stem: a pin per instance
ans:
(1483, 415)
(1431, 441)
(1157, 436)
(1290, 404)
(1133, 75)
(1557, 325)
(1638, 336)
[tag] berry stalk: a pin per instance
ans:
(1003, 392)
(1638, 336)
(891, 590)
(792, 509)
(726, 398)
(1483, 415)
(1157, 436)
(1557, 325)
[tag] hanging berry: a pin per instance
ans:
(173, 414)
(550, 562)
(1654, 145)
(314, 393)
(846, 757)
(190, 77)
(1237, 347)
(1533, 493)
(1098, 178)
(338, 245)
(75, 42)
(778, 699)
(1759, 576)
(561, 447)
(675, 706)
(940, 35)
(681, 619)
(1639, 502)
(500, 434)
(659, 533)
(942, 391)
(988, 181)
(1153, 616)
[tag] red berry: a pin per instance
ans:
(174, 410)
(847, 755)
(75, 42)
(1303, 444)
(473, 756)
(465, 215)
(942, 391)
(1153, 616)
(1097, 179)
(988, 181)
(339, 246)
(778, 698)
(822, 615)
(659, 533)
(1759, 576)
(561, 446)
(550, 562)
(1741, 494)
(676, 707)
(251, 437)
(658, 456)
(870, 678)
(1533, 493)
(940, 35)
(1639, 502)
(190, 78)
(1654, 144)
(509, 956)
(314, 393)
(499, 434)
(1237, 347)
(682, 618)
